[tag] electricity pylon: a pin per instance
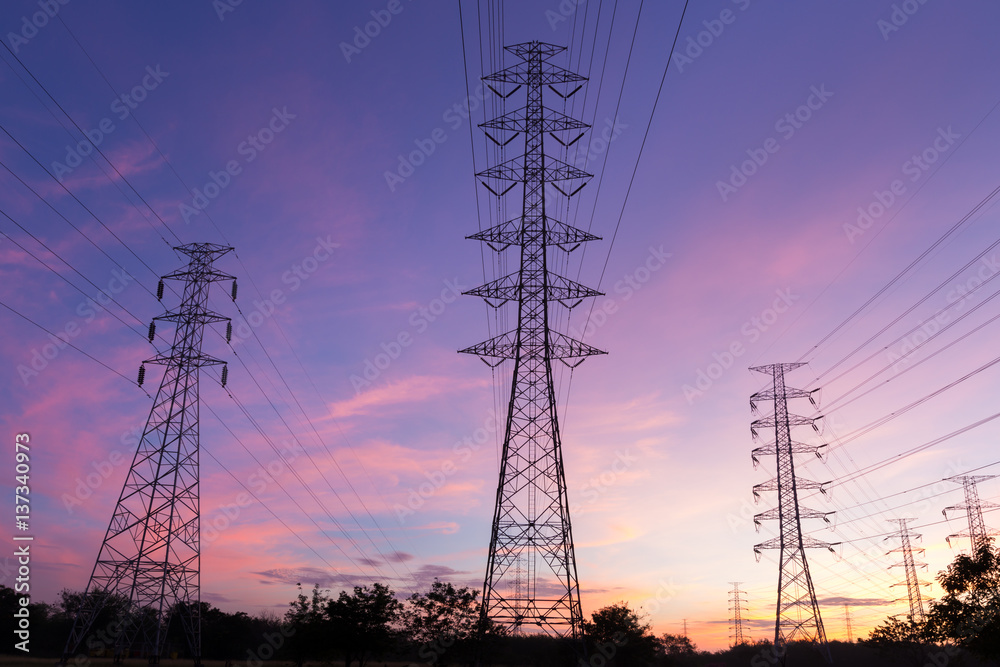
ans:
(531, 576)
(847, 621)
(797, 614)
(148, 568)
(909, 566)
(737, 606)
(977, 533)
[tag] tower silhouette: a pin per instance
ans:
(797, 615)
(148, 567)
(909, 566)
(977, 532)
(531, 575)
(737, 606)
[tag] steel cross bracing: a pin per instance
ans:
(909, 566)
(531, 577)
(148, 567)
(977, 533)
(797, 615)
(737, 606)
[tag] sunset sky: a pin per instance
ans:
(802, 161)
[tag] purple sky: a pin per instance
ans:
(798, 159)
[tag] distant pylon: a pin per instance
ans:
(909, 566)
(797, 615)
(531, 575)
(847, 620)
(149, 565)
(977, 533)
(737, 606)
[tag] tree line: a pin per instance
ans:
(443, 626)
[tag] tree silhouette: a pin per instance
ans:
(306, 618)
(444, 621)
(619, 634)
(365, 623)
(969, 614)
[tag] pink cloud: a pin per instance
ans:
(414, 389)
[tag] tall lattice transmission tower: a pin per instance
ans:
(977, 532)
(148, 567)
(737, 605)
(797, 615)
(847, 623)
(909, 566)
(531, 576)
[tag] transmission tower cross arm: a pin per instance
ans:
(772, 421)
(773, 514)
(546, 75)
(807, 543)
(557, 288)
(519, 121)
(507, 234)
(505, 346)
(770, 369)
(768, 395)
(196, 315)
(772, 485)
(796, 448)
(553, 170)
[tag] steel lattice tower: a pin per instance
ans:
(149, 562)
(847, 622)
(797, 614)
(909, 566)
(977, 533)
(737, 606)
(531, 577)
